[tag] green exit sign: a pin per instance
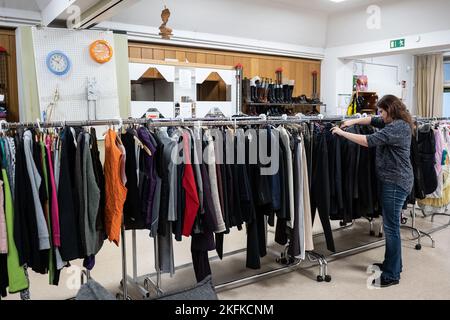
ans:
(399, 43)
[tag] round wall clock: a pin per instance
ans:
(58, 63)
(101, 51)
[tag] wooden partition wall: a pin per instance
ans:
(8, 41)
(296, 69)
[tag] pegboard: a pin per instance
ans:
(72, 87)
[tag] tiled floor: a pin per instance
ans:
(425, 274)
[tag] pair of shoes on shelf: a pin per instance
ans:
(384, 283)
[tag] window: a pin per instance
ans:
(447, 72)
(446, 106)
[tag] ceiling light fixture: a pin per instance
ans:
(337, 1)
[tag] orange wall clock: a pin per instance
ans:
(101, 51)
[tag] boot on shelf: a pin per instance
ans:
(253, 93)
(264, 87)
(291, 90)
(282, 95)
(276, 95)
(273, 98)
(246, 91)
(258, 91)
(286, 93)
(255, 88)
(270, 93)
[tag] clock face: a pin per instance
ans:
(58, 63)
(101, 51)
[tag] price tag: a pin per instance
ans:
(152, 115)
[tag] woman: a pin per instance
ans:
(394, 172)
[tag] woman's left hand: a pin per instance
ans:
(337, 130)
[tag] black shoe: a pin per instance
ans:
(383, 283)
(379, 265)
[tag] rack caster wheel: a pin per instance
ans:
(119, 296)
(319, 278)
(380, 235)
(418, 246)
(327, 278)
(404, 220)
(372, 233)
(342, 224)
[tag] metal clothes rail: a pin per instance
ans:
(192, 122)
(175, 122)
(186, 122)
(419, 232)
(289, 264)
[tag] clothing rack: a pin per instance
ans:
(192, 122)
(187, 122)
(289, 265)
(174, 122)
(419, 232)
(287, 262)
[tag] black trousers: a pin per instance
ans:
(320, 187)
(4, 280)
(200, 245)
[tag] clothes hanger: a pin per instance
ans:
(118, 140)
(142, 146)
(2, 131)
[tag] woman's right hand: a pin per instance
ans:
(347, 123)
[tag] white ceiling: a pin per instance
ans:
(42, 3)
(30, 5)
(318, 5)
(322, 5)
(83, 4)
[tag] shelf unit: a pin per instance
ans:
(181, 89)
(284, 104)
(372, 101)
(290, 105)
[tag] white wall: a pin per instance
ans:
(334, 68)
(398, 18)
(263, 20)
(384, 76)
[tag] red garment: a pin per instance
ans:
(54, 197)
(190, 188)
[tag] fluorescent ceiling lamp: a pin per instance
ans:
(337, 1)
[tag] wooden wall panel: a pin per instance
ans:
(180, 56)
(191, 57)
(211, 59)
(8, 41)
(201, 58)
(13, 112)
(229, 60)
(220, 60)
(169, 54)
(246, 63)
(147, 53)
(158, 54)
(254, 65)
(300, 83)
(135, 52)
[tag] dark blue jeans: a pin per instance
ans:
(393, 198)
